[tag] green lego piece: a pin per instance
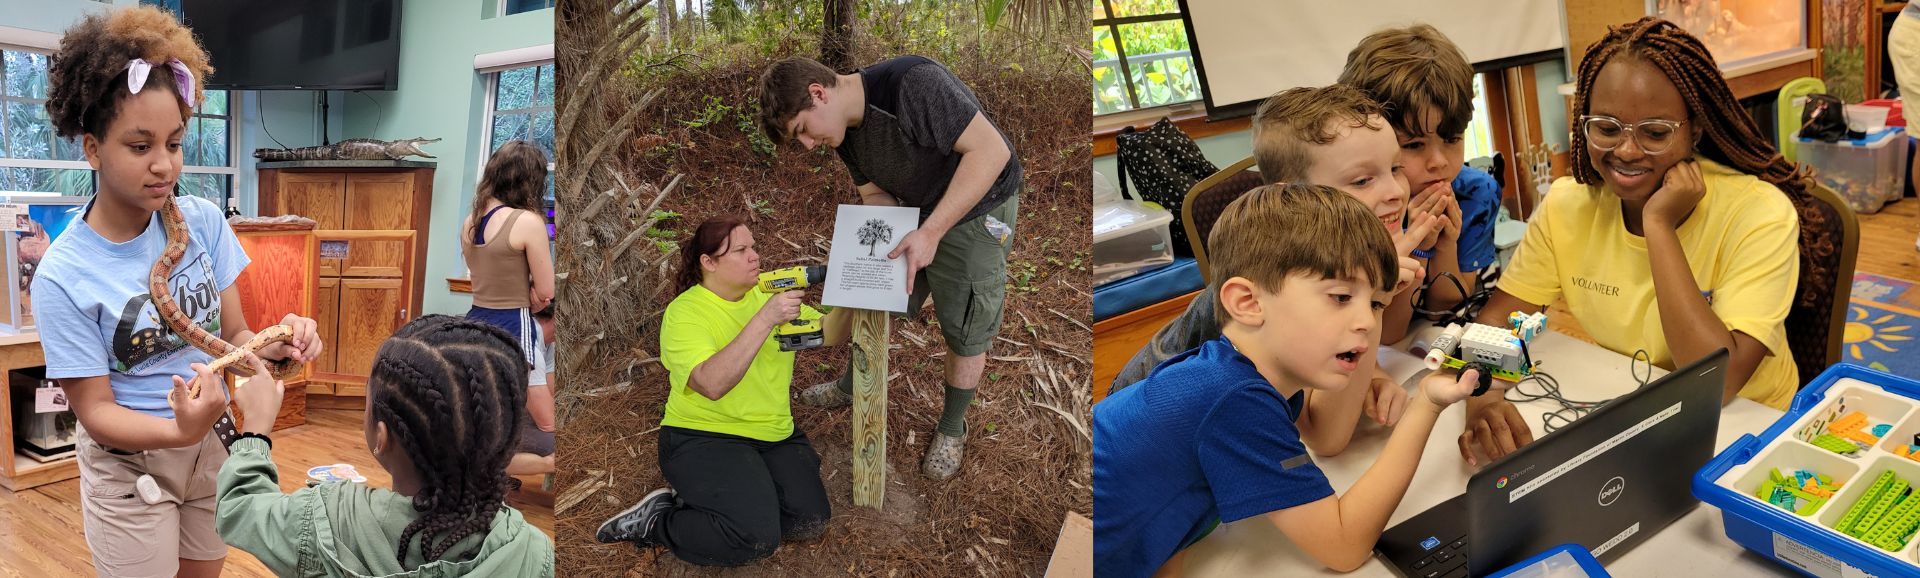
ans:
(1835, 444)
(1866, 500)
(1878, 532)
(1879, 508)
(1498, 373)
(1895, 533)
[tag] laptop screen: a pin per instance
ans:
(1607, 481)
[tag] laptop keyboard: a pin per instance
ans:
(1445, 560)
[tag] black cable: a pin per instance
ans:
(260, 106)
(1455, 315)
(1570, 409)
(379, 112)
(1639, 354)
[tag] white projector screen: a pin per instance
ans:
(1249, 49)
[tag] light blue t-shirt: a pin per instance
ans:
(95, 314)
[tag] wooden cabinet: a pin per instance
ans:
(282, 280)
(372, 216)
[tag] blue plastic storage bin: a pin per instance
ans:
(1809, 543)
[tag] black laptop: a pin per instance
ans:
(1606, 482)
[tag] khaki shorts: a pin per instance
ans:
(1903, 50)
(128, 536)
(968, 281)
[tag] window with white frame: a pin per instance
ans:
(1141, 56)
(33, 159)
(522, 109)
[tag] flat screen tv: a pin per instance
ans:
(299, 44)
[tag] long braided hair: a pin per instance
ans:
(450, 391)
(1732, 137)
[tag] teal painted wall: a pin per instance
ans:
(441, 96)
(51, 15)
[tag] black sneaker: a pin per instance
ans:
(634, 524)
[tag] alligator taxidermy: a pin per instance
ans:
(357, 149)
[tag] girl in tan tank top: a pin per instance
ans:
(505, 244)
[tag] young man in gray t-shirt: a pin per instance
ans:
(911, 134)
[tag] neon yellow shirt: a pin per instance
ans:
(1741, 243)
(698, 324)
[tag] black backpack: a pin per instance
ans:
(1164, 164)
(1823, 119)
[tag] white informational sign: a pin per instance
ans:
(859, 274)
(13, 217)
(49, 400)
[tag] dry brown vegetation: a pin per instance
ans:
(660, 129)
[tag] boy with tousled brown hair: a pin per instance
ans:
(1336, 136)
(1209, 436)
(1426, 86)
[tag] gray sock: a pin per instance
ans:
(953, 417)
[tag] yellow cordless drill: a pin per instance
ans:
(797, 334)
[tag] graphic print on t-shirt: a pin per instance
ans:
(141, 340)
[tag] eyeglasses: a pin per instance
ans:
(1608, 133)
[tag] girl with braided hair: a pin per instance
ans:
(125, 82)
(1677, 233)
(444, 412)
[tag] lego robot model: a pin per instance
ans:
(1495, 352)
(798, 334)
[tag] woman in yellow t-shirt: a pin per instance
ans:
(1675, 235)
(743, 478)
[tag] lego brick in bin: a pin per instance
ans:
(1797, 542)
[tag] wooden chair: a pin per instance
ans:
(1829, 246)
(1207, 199)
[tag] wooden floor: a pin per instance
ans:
(42, 531)
(1886, 248)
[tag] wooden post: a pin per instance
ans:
(869, 407)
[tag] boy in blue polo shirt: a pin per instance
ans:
(1209, 436)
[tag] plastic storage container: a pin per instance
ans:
(1852, 400)
(1868, 173)
(1894, 118)
(1129, 238)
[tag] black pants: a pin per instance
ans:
(739, 497)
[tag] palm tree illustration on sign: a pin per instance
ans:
(875, 232)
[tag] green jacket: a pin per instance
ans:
(343, 529)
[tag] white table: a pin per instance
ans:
(1694, 546)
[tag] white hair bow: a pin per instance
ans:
(138, 70)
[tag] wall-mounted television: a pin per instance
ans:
(299, 44)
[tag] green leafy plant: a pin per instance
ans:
(714, 112)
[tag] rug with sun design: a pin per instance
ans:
(1881, 325)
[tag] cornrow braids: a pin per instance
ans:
(450, 391)
(1732, 138)
(88, 77)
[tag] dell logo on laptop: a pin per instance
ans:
(1611, 490)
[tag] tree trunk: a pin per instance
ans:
(666, 22)
(836, 35)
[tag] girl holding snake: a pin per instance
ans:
(141, 292)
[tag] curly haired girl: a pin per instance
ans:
(444, 417)
(125, 82)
